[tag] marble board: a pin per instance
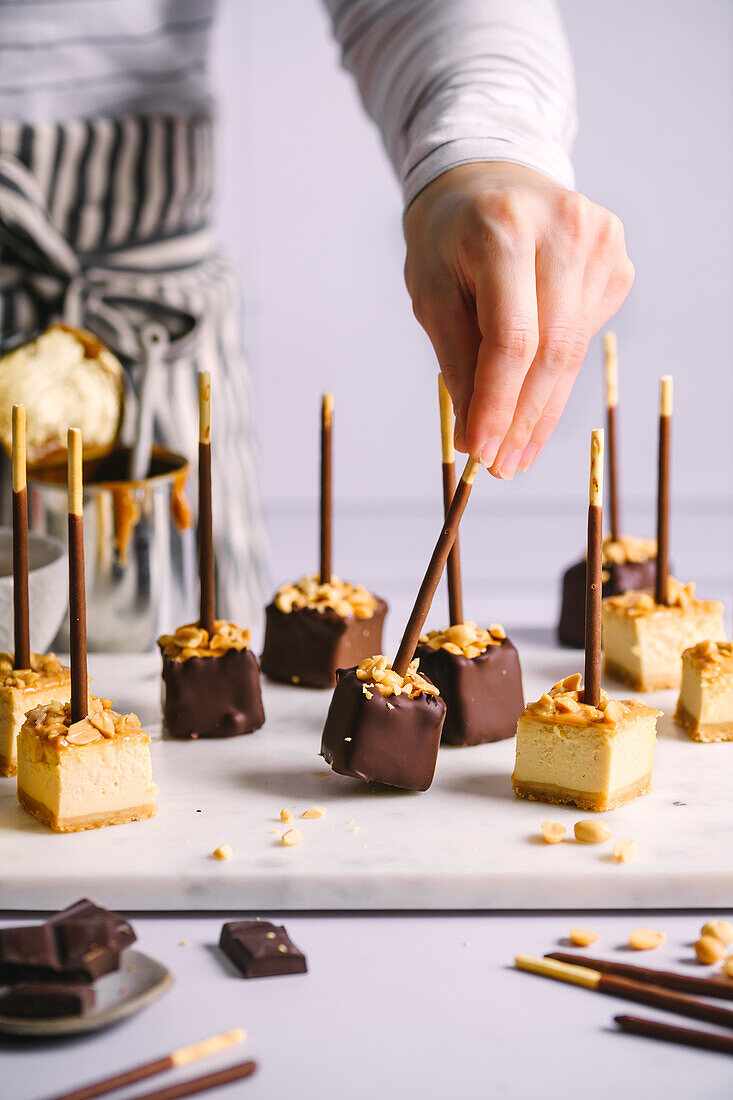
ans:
(467, 843)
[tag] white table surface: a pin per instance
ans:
(394, 1008)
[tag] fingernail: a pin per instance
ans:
(489, 450)
(530, 454)
(508, 465)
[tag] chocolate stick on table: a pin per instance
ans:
(77, 594)
(181, 1057)
(22, 657)
(614, 986)
(610, 347)
(594, 570)
(684, 1036)
(207, 609)
(447, 536)
(453, 568)
(197, 1084)
(669, 979)
(661, 594)
(326, 486)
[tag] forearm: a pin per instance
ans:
(451, 82)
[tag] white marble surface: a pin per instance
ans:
(396, 1008)
(466, 843)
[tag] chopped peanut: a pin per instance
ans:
(589, 831)
(583, 937)
(553, 832)
(646, 939)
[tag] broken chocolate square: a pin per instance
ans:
(45, 1000)
(259, 949)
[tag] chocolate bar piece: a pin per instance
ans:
(392, 740)
(623, 577)
(483, 694)
(259, 949)
(45, 1000)
(307, 646)
(79, 944)
(212, 696)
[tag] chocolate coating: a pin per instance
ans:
(390, 740)
(307, 647)
(621, 578)
(42, 1000)
(483, 695)
(79, 944)
(259, 949)
(212, 696)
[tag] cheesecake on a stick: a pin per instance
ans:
(705, 704)
(646, 632)
(211, 677)
(476, 670)
(27, 679)
(81, 765)
(321, 623)
(576, 745)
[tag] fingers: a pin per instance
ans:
(506, 308)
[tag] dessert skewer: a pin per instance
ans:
(320, 623)
(26, 679)
(576, 745)
(476, 671)
(646, 632)
(628, 561)
(211, 676)
(385, 721)
(81, 765)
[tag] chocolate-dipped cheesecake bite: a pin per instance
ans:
(480, 680)
(385, 720)
(321, 623)
(382, 727)
(211, 677)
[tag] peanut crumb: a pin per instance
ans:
(314, 811)
(291, 837)
(351, 821)
(583, 937)
(625, 849)
(553, 832)
(709, 950)
(646, 939)
(589, 831)
(183, 943)
(224, 851)
(721, 929)
(285, 816)
(727, 967)
(355, 829)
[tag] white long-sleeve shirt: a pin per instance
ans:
(446, 81)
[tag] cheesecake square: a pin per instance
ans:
(629, 562)
(314, 629)
(87, 774)
(382, 728)
(594, 758)
(643, 641)
(478, 675)
(705, 705)
(23, 689)
(211, 686)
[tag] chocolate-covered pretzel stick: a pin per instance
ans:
(669, 979)
(326, 485)
(684, 1036)
(594, 571)
(661, 593)
(453, 567)
(611, 351)
(447, 536)
(77, 592)
(207, 609)
(22, 657)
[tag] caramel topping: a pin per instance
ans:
(192, 640)
(377, 674)
(563, 703)
(711, 655)
(465, 639)
(345, 599)
(638, 604)
(52, 723)
(628, 548)
(44, 666)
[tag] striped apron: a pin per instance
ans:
(94, 211)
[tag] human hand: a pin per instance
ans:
(511, 276)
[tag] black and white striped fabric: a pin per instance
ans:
(95, 211)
